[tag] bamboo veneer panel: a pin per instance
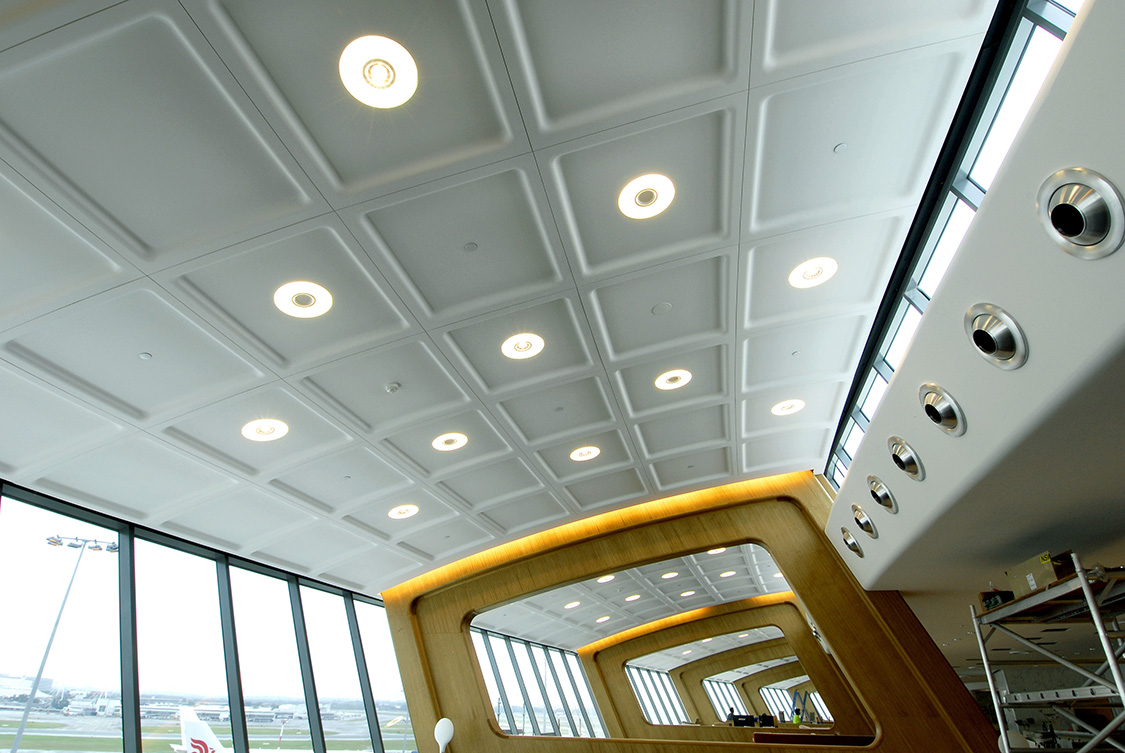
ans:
(750, 686)
(605, 660)
(688, 678)
(899, 677)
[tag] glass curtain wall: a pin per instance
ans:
(725, 698)
(536, 689)
(1042, 25)
(230, 653)
(657, 696)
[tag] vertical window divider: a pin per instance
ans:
(543, 691)
(558, 686)
(235, 701)
(364, 678)
(127, 619)
(312, 704)
(499, 683)
(578, 697)
(527, 707)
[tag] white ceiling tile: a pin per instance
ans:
(884, 112)
(416, 443)
(614, 453)
(373, 517)
(443, 541)
(492, 484)
(694, 148)
(342, 479)
(48, 259)
(685, 429)
(236, 287)
(678, 305)
(41, 413)
(137, 476)
(610, 489)
(526, 514)
(96, 349)
(566, 351)
(693, 469)
(564, 410)
(378, 567)
(237, 516)
(865, 249)
(169, 112)
(459, 117)
(823, 403)
(709, 381)
(387, 387)
(795, 448)
(580, 66)
(475, 242)
(803, 352)
(216, 431)
(792, 37)
(311, 547)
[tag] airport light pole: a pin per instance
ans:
(73, 543)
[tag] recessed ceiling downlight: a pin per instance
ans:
(688, 593)
(646, 196)
(602, 619)
(378, 71)
(302, 299)
(571, 604)
(449, 442)
(583, 454)
(717, 550)
(669, 576)
(634, 597)
(265, 430)
(673, 380)
(727, 574)
(813, 272)
(605, 578)
(402, 512)
(523, 345)
(788, 407)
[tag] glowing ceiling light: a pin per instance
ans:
(685, 653)
(448, 442)
(402, 512)
(378, 71)
(718, 550)
(583, 454)
(705, 640)
(646, 196)
(727, 574)
(813, 272)
(788, 407)
(605, 578)
(571, 605)
(302, 299)
(778, 575)
(265, 430)
(602, 619)
(744, 635)
(669, 576)
(634, 597)
(688, 593)
(523, 345)
(673, 380)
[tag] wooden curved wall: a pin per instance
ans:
(750, 686)
(604, 661)
(689, 677)
(899, 677)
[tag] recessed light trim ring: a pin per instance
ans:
(864, 522)
(1082, 213)
(646, 196)
(673, 379)
(813, 272)
(449, 442)
(378, 71)
(850, 542)
(942, 409)
(522, 346)
(265, 429)
(302, 299)
(906, 459)
(996, 336)
(882, 494)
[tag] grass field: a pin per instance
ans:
(32, 724)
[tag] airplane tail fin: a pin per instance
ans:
(196, 735)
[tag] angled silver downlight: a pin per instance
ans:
(850, 542)
(905, 458)
(1082, 213)
(942, 409)
(996, 336)
(864, 522)
(881, 494)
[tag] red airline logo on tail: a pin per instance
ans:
(198, 746)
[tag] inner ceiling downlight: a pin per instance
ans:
(905, 458)
(881, 494)
(850, 542)
(1082, 213)
(942, 409)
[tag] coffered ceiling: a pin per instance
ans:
(165, 167)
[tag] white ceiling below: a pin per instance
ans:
(165, 167)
